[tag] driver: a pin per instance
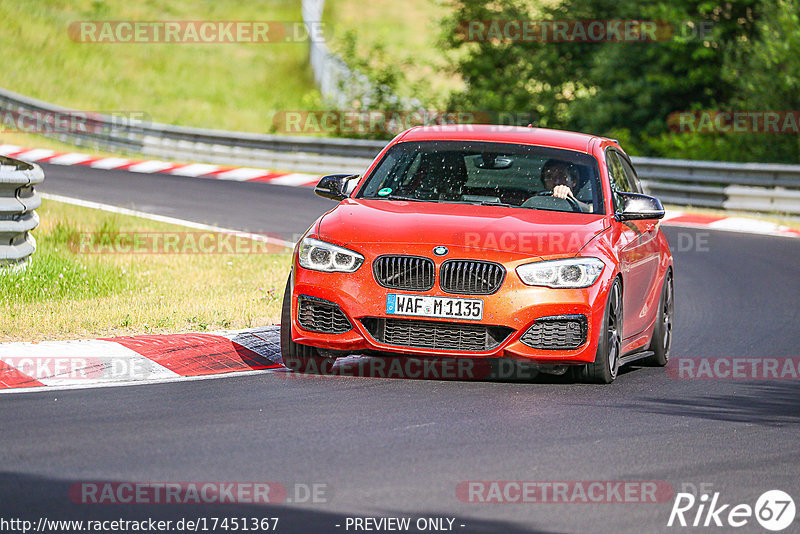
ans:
(561, 178)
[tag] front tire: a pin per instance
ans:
(296, 357)
(661, 342)
(604, 368)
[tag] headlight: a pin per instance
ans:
(568, 273)
(321, 256)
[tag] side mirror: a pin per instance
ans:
(636, 207)
(334, 186)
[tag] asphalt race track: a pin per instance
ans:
(248, 206)
(400, 447)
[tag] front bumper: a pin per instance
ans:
(515, 306)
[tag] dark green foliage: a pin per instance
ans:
(747, 60)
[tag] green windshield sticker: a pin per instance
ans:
(385, 191)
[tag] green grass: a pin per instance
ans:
(230, 86)
(66, 294)
(226, 86)
(409, 31)
(58, 275)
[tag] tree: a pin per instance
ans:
(629, 88)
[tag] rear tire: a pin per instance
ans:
(604, 368)
(296, 357)
(661, 342)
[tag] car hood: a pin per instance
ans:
(512, 230)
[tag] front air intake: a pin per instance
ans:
(317, 315)
(409, 273)
(471, 277)
(563, 332)
(415, 333)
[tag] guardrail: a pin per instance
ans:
(338, 83)
(330, 71)
(302, 154)
(18, 200)
(756, 187)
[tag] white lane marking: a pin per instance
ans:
(73, 158)
(109, 163)
(414, 426)
(81, 363)
(239, 336)
(151, 166)
(242, 174)
(140, 383)
(165, 219)
(707, 226)
(671, 214)
(195, 169)
(295, 179)
(35, 155)
(741, 224)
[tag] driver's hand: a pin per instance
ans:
(562, 191)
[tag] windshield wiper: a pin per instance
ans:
(398, 197)
(492, 203)
(478, 203)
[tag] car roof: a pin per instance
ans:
(579, 142)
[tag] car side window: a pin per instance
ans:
(618, 179)
(633, 180)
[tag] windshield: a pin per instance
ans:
(511, 175)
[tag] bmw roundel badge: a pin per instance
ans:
(440, 250)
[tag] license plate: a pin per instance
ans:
(428, 306)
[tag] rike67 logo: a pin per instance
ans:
(774, 510)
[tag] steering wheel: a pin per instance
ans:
(571, 201)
